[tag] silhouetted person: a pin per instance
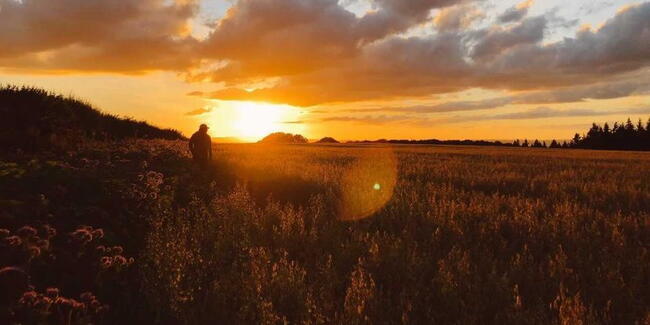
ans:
(201, 146)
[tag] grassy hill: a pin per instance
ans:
(34, 119)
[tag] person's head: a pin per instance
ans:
(203, 128)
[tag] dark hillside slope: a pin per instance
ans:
(33, 119)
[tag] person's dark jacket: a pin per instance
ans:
(201, 146)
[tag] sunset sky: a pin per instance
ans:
(351, 69)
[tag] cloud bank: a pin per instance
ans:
(126, 36)
(511, 57)
(314, 52)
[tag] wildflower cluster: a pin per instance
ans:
(25, 244)
(83, 235)
(111, 257)
(21, 304)
(85, 240)
(147, 189)
(52, 308)
(84, 185)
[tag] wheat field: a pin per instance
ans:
(134, 232)
(406, 234)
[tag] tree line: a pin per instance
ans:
(620, 136)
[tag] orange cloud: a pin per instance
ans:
(101, 35)
(457, 17)
(310, 52)
(199, 111)
(394, 68)
(266, 38)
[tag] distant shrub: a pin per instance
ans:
(327, 140)
(280, 137)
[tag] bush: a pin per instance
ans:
(284, 138)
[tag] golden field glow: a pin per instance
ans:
(367, 185)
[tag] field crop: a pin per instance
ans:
(371, 234)
(362, 234)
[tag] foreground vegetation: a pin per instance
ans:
(346, 234)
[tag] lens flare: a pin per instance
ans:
(368, 184)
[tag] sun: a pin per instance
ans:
(256, 120)
(252, 121)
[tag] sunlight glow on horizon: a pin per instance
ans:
(251, 121)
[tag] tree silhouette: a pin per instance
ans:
(555, 144)
(327, 140)
(284, 138)
(576, 140)
(622, 136)
(639, 126)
